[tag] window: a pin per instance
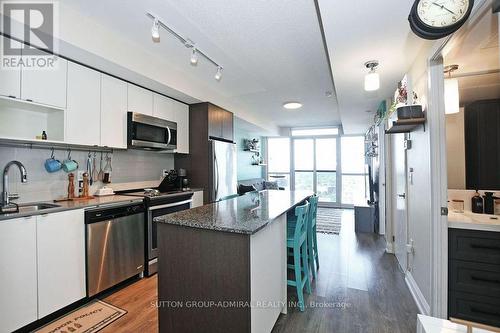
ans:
(315, 164)
(354, 175)
(278, 161)
(315, 131)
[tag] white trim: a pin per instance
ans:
(419, 298)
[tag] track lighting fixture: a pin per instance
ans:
(194, 57)
(195, 51)
(218, 74)
(155, 30)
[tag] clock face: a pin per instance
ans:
(442, 13)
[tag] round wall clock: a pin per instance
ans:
(434, 19)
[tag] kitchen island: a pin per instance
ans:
(222, 266)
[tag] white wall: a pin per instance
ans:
(418, 189)
(455, 150)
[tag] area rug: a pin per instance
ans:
(89, 318)
(329, 220)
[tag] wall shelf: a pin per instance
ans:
(405, 125)
(252, 150)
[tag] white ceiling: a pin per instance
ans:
(357, 31)
(272, 52)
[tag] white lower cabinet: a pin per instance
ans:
(18, 280)
(61, 260)
(42, 266)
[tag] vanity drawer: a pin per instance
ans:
(479, 309)
(474, 245)
(476, 278)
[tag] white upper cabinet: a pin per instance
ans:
(83, 115)
(163, 107)
(45, 86)
(18, 287)
(113, 112)
(10, 79)
(61, 260)
(140, 100)
(181, 117)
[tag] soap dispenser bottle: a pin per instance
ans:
(489, 203)
(477, 203)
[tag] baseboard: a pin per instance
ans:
(389, 247)
(419, 298)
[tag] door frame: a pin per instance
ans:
(438, 162)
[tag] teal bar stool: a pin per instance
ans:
(312, 239)
(296, 244)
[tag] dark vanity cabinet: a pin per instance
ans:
(214, 120)
(474, 276)
(482, 144)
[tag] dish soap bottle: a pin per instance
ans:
(477, 203)
(44, 135)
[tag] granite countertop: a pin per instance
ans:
(77, 204)
(246, 214)
(472, 221)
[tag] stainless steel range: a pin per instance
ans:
(159, 203)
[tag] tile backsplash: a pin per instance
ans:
(128, 166)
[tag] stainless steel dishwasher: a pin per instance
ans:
(115, 245)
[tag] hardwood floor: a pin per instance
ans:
(359, 289)
(359, 286)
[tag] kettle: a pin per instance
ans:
(489, 202)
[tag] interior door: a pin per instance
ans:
(399, 199)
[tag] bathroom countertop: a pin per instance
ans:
(472, 221)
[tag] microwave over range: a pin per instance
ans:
(152, 133)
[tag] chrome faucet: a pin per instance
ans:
(6, 197)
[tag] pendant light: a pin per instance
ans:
(372, 78)
(451, 92)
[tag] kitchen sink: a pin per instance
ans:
(36, 207)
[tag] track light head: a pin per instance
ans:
(155, 30)
(194, 57)
(218, 74)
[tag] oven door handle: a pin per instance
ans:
(180, 203)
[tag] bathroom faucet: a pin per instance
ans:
(6, 197)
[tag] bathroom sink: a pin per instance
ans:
(483, 218)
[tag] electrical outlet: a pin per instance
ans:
(79, 175)
(164, 172)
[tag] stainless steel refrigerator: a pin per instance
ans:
(222, 166)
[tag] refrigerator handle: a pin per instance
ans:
(217, 176)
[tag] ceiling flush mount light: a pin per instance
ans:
(292, 105)
(194, 57)
(155, 30)
(218, 74)
(372, 78)
(195, 51)
(451, 92)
